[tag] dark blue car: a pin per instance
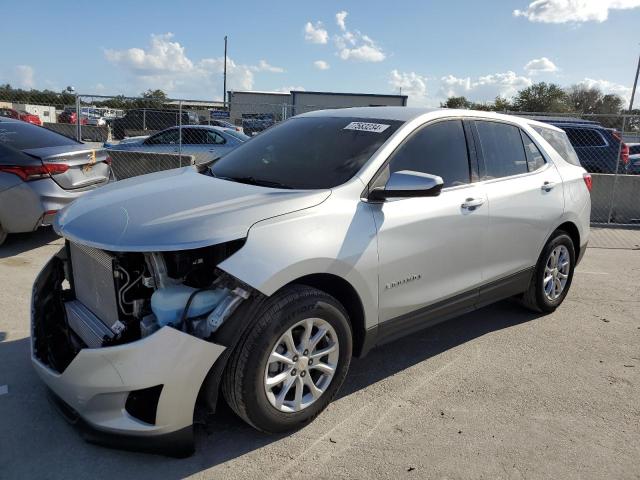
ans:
(598, 148)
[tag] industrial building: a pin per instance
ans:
(277, 106)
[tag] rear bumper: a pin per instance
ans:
(29, 205)
(93, 387)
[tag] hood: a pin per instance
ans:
(175, 210)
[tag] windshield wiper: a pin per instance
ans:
(257, 181)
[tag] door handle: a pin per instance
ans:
(548, 186)
(472, 203)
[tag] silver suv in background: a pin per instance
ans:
(326, 235)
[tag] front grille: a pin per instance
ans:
(94, 284)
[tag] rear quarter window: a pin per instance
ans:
(560, 143)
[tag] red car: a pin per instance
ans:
(69, 115)
(24, 116)
(30, 118)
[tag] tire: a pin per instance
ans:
(245, 379)
(536, 297)
(3, 235)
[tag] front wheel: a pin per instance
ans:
(553, 275)
(292, 362)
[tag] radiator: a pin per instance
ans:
(94, 284)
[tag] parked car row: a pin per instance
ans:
(205, 143)
(42, 171)
(20, 115)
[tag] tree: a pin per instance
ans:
(502, 104)
(456, 102)
(583, 99)
(610, 103)
(541, 97)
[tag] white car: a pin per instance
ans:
(324, 236)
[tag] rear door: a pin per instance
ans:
(525, 197)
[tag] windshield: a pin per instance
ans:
(306, 152)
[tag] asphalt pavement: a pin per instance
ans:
(498, 393)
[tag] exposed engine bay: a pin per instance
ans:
(110, 298)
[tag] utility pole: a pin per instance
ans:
(624, 125)
(224, 87)
(635, 84)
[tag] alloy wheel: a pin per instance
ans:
(556, 272)
(301, 365)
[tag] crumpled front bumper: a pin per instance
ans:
(94, 387)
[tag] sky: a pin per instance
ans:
(428, 49)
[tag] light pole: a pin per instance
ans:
(224, 85)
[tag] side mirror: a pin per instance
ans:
(406, 184)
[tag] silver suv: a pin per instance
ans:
(330, 233)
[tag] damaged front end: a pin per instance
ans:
(125, 341)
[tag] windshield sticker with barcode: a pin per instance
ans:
(367, 127)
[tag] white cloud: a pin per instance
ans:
(355, 45)
(25, 76)
(340, 18)
(321, 65)
(163, 56)
(411, 84)
(576, 11)
(315, 33)
(165, 65)
(540, 65)
(484, 88)
(263, 66)
(608, 87)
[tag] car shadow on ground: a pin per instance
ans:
(36, 426)
(18, 243)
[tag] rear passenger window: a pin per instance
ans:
(584, 137)
(438, 149)
(535, 160)
(502, 149)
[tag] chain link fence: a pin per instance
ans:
(607, 145)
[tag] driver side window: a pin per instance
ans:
(437, 149)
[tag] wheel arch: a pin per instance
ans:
(572, 230)
(347, 295)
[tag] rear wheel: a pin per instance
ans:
(552, 278)
(292, 361)
(3, 235)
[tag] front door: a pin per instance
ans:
(430, 249)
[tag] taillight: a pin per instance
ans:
(624, 148)
(587, 181)
(35, 173)
(624, 153)
(108, 160)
